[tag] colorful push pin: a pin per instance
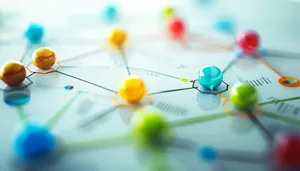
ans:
(208, 153)
(225, 25)
(43, 58)
(210, 77)
(117, 38)
(243, 96)
(35, 33)
(34, 141)
(13, 73)
(132, 90)
(176, 28)
(150, 129)
(248, 42)
(286, 150)
(110, 13)
(168, 13)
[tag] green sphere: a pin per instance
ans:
(150, 130)
(243, 96)
(168, 13)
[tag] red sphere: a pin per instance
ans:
(286, 151)
(176, 28)
(248, 42)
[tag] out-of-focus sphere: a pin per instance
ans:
(34, 33)
(117, 38)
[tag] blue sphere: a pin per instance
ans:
(34, 141)
(210, 77)
(35, 33)
(208, 153)
(110, 13)
(225, 25)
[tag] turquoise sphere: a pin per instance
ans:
(110, 13)
(35, 33)
(210, 77)
(225, 25)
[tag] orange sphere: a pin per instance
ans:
(43, 58)
(13, 73)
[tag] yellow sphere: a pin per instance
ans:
(13, 73)
(117, 38)
(43, 58)
(132, 89)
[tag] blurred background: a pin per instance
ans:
(277, 20)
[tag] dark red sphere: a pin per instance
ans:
(286, 151)
(248, 42)
(176, 28)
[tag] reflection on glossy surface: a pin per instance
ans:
(240, 125)
(208, 102)
(126, 115)
(16, 97)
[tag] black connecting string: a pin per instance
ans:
(30, 75)
(107, 89)
(97, 116)
(242, 156)
(123, 56)
(173, 90)
(21, 87)
(262, 128)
